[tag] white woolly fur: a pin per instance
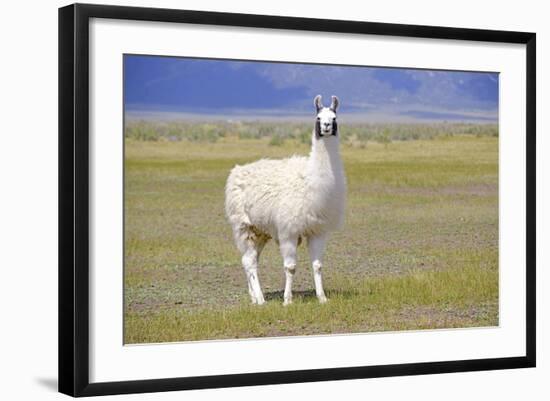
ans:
(289, 200)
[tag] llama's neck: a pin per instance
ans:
(325, 164)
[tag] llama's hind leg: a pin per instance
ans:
(288, 252)
(250, 258)
(316, 246)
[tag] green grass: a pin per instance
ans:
(352, 133)
(419, 249)
(462, 297)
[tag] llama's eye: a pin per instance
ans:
(318, 118)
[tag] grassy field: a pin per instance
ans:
(419, 249)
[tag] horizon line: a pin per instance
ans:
(382, 116)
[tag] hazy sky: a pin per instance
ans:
(220, 87)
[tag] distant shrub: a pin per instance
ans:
(383, 137)
(174, 131)
(305, 137)
(351, 134)
(276, 140)
(142, 131)
(265, 130)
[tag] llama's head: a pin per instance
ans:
(326, 124)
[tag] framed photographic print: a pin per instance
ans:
(251, 199)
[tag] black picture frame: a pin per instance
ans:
(74, 198)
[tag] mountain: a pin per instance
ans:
(210, 86)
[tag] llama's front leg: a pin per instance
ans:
(288, 252)
(316, 246)
(250, 264)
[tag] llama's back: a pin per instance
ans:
(256, 194)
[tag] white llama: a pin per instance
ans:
(289, 200)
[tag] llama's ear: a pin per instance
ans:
(317, 103)
(334, 104)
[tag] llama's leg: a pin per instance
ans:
(288, 252)
(316, 246)
(250, 290)
(250, 263)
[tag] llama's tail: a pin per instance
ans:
(235, 207)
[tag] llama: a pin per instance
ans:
(289, 200)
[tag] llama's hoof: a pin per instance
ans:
(256, 301)
(323, 299)
(287, 302)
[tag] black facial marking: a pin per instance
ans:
(334, 127)
(318, 128)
